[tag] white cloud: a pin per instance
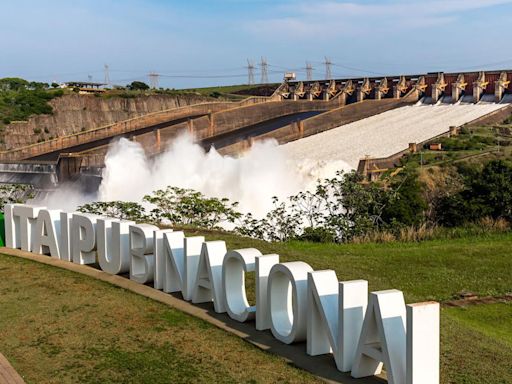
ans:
(310, 18)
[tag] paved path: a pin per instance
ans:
(321, 366)
(7, 373)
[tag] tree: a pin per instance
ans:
(138, 86)
(117, 209)
(487, 193)
(339, 209)
(13, 84)
(406, 205)
(182, 206)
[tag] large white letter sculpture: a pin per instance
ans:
(208, 284)
(46, 240)
(83, 238)
(293, 301)
(423, 343)
(192, 247)
(174, 265)
(113, 244)
(335, 316)
(160, 249)
(382, 338)
(20, 221)
(236, 264)
(264, 265)
(287, 300)
(142, 259)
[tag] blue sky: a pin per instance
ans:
(198, 43)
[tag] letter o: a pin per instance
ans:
(287, 300)
(234, 267)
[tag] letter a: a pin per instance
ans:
(208, 285)
(382, 339)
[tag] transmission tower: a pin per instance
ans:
(250, 72)
(309, 71)
(90, 78)
(107, 75)
(153, 79)
(264, 71)
(328, 64)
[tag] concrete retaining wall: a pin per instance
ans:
(122, 127)
(323, 122)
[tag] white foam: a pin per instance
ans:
(384, 134)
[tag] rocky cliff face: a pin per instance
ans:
(75, 113)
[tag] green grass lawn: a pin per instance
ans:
(58, 326)
(472, 145)
(476, 344)
(430, 270)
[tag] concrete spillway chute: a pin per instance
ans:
(364, 89)
(458, 88)
(479, 87)
(438, 88)
(500, 86)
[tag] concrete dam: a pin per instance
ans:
(328, 120)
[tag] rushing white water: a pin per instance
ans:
(252, 180)
(384, 134)
(267, 169)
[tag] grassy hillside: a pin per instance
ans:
(472, 145)
(62, 327)
(71, 326)
(236, 92)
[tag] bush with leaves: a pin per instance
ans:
(117, 209)
(181, 206)
(15, 193)
(487, 193)
(338, 209)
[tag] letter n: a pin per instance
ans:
(335, 316)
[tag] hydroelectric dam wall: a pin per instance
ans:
(296, 110)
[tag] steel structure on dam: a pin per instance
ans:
(296, 109)
(434, 85)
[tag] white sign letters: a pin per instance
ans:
(363, 333)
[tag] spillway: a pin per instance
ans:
(384, 134)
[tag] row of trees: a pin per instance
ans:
(340, 209)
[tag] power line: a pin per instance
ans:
(250, 72)
(359, 70)
(309, 71)
(153, 79)
(107, 75)
(328, 72)
(264, 71)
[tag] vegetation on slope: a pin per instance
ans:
(19, 99)
(237, 92)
